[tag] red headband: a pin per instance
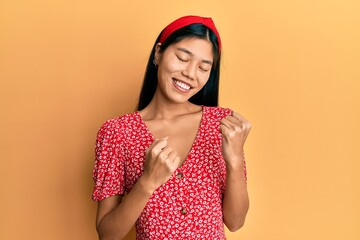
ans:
(187, 20)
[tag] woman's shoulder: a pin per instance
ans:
(217, 111)
(118, 124)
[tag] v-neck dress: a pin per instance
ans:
(189, 204)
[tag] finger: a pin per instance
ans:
(228, 124)
(164, 154)
(158, 145)
(158, 140)
(248, 125)
(176, 163)
(172, 155)
(233, 120)
(224, 130)
(238, 116)
(234, 127)
(238, 121)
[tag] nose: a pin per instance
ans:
(190, 71)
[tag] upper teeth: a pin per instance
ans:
(182, 85)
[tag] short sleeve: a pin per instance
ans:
(108, 173)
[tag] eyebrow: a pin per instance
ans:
(191, 54)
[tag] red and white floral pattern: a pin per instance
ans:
(189, 204)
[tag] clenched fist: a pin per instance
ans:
(160, 163)
(234, 129)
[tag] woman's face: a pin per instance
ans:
(184, 68)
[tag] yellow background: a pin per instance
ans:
(291, 67)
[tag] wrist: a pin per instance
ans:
(234, 168)
(235, 162)
(234, 174)
(146, 186)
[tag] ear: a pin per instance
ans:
(157, 51)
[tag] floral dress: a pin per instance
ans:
(189, 204)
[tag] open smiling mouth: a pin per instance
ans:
(181, 86)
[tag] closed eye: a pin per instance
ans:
(182, 60)
(203, 70)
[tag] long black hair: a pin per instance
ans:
(209, 94)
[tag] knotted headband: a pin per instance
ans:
(188, 20)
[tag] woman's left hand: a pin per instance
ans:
(234, 129)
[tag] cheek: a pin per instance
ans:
(203, 79)
(170, 65)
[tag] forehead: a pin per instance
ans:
(201, 48)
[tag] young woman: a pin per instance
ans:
(179, 159)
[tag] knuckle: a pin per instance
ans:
(177, 160)
(237, 129)
(162, 156)
(153, 153)
(171, 155)
(175, 156)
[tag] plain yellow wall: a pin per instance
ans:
(291, 67)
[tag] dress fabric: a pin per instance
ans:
(189, 204)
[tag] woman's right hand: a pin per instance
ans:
(116, 215)
(160, 163)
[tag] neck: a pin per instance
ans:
(160, 108)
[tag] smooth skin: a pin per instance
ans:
(174, 121)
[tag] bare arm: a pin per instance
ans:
(236, 199)
(235, 129)
(117, 214)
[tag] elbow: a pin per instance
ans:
(234, 226)
(235, 219)
(109, 236)
(234, 223)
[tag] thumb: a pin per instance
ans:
(176, 162)
(162, 141)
